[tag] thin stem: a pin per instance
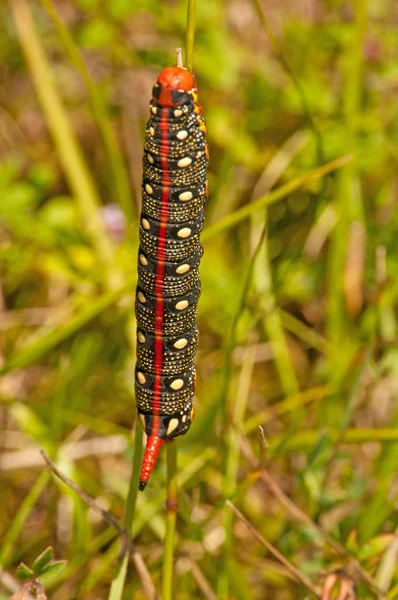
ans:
(231, 450)
(82, 494)
(118, 582)
(179, 57)
(290, 568)
(296, 82)
(127, 549)
(234, 326)
(190, 34)
(135, 476)
(272, 321)
(232, 464)
(171, 507)
(349, 207)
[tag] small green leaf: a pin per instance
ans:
(42, 560)
(375, 546)
(24, 572)
(54, 569)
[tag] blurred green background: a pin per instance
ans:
(298, 313)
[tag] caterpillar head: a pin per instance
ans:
(175, 86)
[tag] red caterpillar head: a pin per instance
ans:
(174, 87)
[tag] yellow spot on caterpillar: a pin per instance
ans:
(141, 297)
(181, 135)
(154, 110)
(141, 337)
(148, 189)
(141, 377)
(177, 384)
(172, 426)
(180, 344)
(143, 260)
(177, 112)
(182, 304)
(150, 158)
(152, 131)
(184, 162)
(184, 418)
(182, 269)
(185, 196)
(145, 223)
(184, 232)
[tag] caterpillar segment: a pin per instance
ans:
(174, 192)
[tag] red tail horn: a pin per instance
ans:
(153, 445)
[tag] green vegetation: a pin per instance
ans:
(289, 470)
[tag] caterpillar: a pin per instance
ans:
(174, 191)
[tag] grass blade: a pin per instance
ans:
(69, 151)
(119, 579)
(21, 516)
(50, 340)
(282, 191)
(121, 184)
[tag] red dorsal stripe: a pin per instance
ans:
(153, 443)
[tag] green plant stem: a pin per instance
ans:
(296, 82)
(349, 208)
(118, 582)
(121, 184)
(227, 374)
(232, 437)
(282, 191)
(171, 515)
(272, 321)
(231, 446)
(349, 198)
(190, 34)
(71, 157)
(135, 476)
